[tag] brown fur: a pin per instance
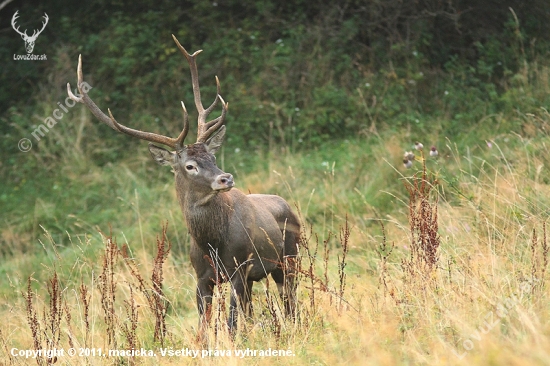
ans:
(234, 237)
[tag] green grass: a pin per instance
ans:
(490, 200)
(75, 187)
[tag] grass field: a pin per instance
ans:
(397, 266)
(441, 263)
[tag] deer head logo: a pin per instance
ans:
(29, 40)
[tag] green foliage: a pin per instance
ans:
(300, 77)
(289, 70)
(325, 97)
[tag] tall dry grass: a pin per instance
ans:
(456, 275)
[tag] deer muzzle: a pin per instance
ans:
(223, 182)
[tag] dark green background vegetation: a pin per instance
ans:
(301, 67)
(300, 77)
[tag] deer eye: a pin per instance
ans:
(189, 167)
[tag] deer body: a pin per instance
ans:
(247, 233)
(233, 224)
(246, 254)
(235, 237)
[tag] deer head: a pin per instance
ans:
(29, 40)
(195, 163)
(195, 166)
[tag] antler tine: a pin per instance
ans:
(44, 23)
(83, 98)
(205, 129)
(194, 73)
(181, 137)
(13, 24)
(110, 121)
(208, 128)
(216, 100)
(36, 32)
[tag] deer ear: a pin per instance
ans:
(213, 143)
(162, 156)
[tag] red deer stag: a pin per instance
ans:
(234, 237)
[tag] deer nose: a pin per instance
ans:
(226, 179)
(223, 182)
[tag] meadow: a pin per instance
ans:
(443, 262)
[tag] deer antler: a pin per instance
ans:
(13, 19)
(24, 34)
(205, 129)
(175, 143)
(36, 33)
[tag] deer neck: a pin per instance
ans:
(206, 214)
